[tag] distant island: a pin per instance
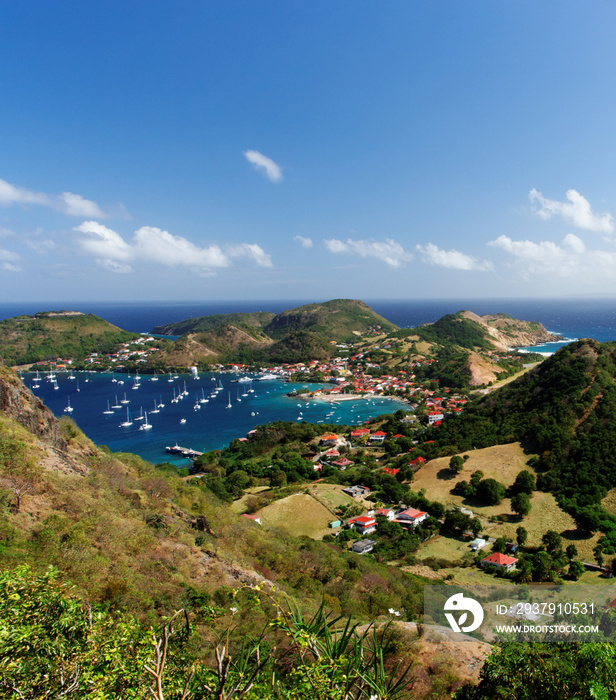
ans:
(459, 350)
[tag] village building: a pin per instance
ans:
(411, 516)
(500, 561)
(363, 546)
(364, 524)
(356, 491)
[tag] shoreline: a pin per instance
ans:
(338, 398)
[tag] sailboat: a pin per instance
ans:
(197, 405)
(161, 404)
(140, 416)
(125, 400)
(78, 389)
(146, 425)
(156, 409)
(69, 408)
(116, 404)
(128, 421)
(229, 404)
(238, 396)
(185, 392)
(154, 378)
(203, 399)
(108, 411)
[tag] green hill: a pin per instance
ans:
(565, 411)
(251, 323)
(49, 335)
(339, 320)
(297, 335)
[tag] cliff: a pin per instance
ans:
(506, 332)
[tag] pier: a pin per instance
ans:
(184, 451)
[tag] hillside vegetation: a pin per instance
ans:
(564, 410)
(45, 336)
(297, 335)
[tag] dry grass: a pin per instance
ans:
(501, 462)
(299, 514)
(609, 502)
(332, 495)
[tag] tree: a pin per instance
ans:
(456, 522)
(491, 492)
(571, 551)
(520, 504)
(456, 464)
(576, 569)
(546, 671)
(525, 482)
(500, 545)
(552, 541)
(521, 536)
(476, 526)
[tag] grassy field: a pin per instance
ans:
(332, 495)
(502, 462)
(299, 514)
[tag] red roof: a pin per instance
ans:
(412, 513)
(360, 432)
(499, 559)
(363, 520)
(390, 470)
(379, 433)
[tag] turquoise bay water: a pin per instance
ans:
(211, 427)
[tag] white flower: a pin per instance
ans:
(233, 610)
(392, 612)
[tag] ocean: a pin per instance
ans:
(215, 411)
(572, 318)
(213, 425)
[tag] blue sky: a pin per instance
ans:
(306, 150)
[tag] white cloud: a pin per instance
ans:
(8, 259)
(104, 243)
(76, 205)
(572, 259)
(452, 259)
(152, 244)
(8, 254)
(388, 250)
(9, 194)
(577, 211)
(305, 242)
(67, 203)
(252, 251)
(264, 165)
